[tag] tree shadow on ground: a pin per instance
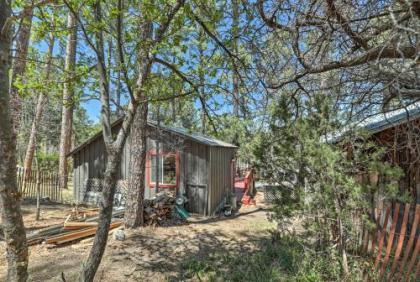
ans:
(227, 218)
(211, 253)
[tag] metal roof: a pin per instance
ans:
(380, 122)
(197, 137)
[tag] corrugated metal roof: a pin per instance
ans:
(380, 122)
(197, 137)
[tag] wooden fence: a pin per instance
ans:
(395, 244)
(45, 181)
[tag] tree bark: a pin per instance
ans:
(42, 99)
(13, 228)
(114, 147)
(202, 79)
(114, 150)
(68, 106)
(235, 79)
(157, 165)
(341, 239)
(19, 62)
(108, 190)
(133, 215)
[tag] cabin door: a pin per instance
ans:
(197, 198)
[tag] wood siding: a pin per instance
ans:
(220, 182)
(196, 175)
(205, 176)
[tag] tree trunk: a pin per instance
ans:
(114, 148)
(157, 166)
(108, 190)
(341, 231)
(19, 62)
(42, 98)
(13, 228)
(133, 215)
(235, 79)
(68, 94)
(202, 78)
(114, 151)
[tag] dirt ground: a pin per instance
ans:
(147, 254)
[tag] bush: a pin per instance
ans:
(47, 161)
(284, 259)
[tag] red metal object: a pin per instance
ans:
(247, 200)
(242, 187)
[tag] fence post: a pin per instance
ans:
(38, 188)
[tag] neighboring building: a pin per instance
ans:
(399, 132)
(194, 165)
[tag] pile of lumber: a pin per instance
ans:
(80, 224)
(159, 209)
(79, 231)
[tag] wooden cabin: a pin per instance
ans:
(399, 132)
(193, 165)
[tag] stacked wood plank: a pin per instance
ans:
(80, 233)
(80, 223)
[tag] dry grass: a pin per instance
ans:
(148, 254)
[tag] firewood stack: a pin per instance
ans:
(159, 209)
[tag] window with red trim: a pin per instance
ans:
(168, 170)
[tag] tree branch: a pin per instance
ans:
(192, 84)
(373, 54)
(160, 32)
(355, 37)
(120, 47)
(103, 81)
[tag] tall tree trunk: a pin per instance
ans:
(68, 94)
(201, 88)
(108, 190)
(157, 165)
(13, 228)
(235, 79)
(133, 215)
(114, 148)
(42, 99)
(341, 239)
(19, 62)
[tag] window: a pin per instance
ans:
(168, 170)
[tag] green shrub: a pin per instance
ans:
(285, 259)
(47, 161)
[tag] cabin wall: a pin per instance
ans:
(150, 191)
(220, 184)
(204, 176)
(195, 173)
(90, 163)
(402, 149)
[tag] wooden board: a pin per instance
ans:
(71, 236)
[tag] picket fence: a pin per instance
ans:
(45, 181)
(395, 244)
